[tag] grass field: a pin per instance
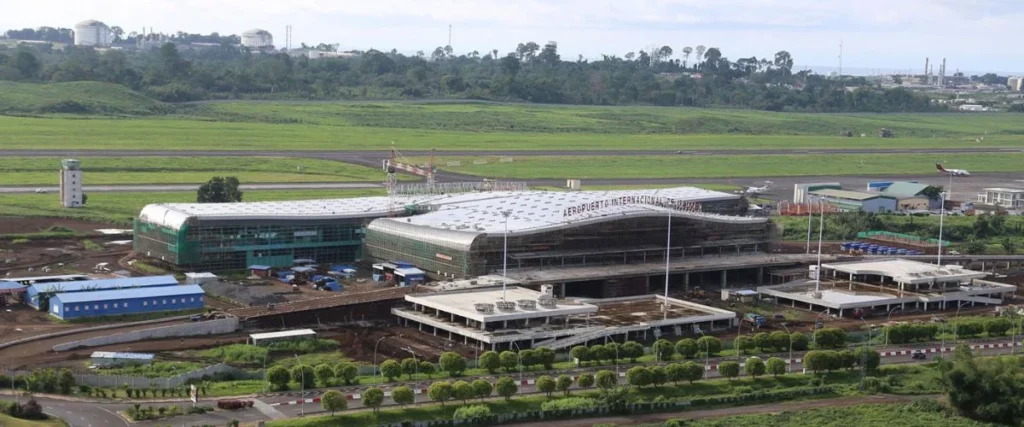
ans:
(183, 170)
(9, 421)
(121, 208)
(909, 415)
(684, 166)
(75, 97)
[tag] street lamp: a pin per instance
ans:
(417, 372)
(707, 353)
(302, 385)
(887, 317)
(955, 325)
(668, 255)
(789, 366)
(519, 355)
(504, 257)
(942, 213)
(821, 233)
(864, 358)
(375, 369)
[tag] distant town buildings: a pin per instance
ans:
(1015, 84)
(92, 33)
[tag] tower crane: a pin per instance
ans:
(395, 163)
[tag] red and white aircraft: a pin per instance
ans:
(954, 172)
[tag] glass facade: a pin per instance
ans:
(235, 245)
(447, 253)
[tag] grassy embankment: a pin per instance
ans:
(906, 415)
(121, 208)
(184, 170)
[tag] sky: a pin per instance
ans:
(877, 35)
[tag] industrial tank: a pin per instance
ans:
(92, 33)
(257, 39)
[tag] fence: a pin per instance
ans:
(209, 327)
(117, 381)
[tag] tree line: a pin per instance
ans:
(697, 77)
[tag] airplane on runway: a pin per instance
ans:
(954, 172)
(756, 191)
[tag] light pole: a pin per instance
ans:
(942, 214)
(789, 366)
(668, 255)
(821, 233)
(417, 373)
(265, 382)
(616, 360)
(810, 216)
(504, 256)
(887, 317)
(956, 326)
(864, 357)
(519, 355)
(375, 369)
(302, 385)
(707, 353)
(1013, 339)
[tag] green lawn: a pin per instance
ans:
(154, 370)
(121, 208)
(184, 170)
(9, 421)
(908, 415)
(683, 166)
(75, 97)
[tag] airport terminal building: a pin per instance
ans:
(454, 235)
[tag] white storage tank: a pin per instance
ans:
(92, 33)
(257, 39)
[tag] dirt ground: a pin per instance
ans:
(17, 225)
(20, 321)
(60, 256)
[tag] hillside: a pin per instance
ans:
(92, 98)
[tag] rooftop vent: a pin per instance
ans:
(547, 302)
(527, 304)
(505, 305)
(484, 307)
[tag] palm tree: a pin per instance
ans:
(686, 55)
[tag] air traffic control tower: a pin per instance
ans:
(71, 183)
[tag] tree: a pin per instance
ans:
(870, 356)
(1009, 246)
(997, 326)
(693, 372)
(632, 350)
(347, 372)
(687, 347)
(482, 389)
(779, 340)
(440, 391)
(580, 353)
(709, 345)
(687, 51)
(664, 349)
(323, 373)
(974, 247)
(637, 376)
(509, 360)
(410, 366)
(763, 341)
(490, 361)
(729, 369)
(674, 372)
(613, 350)
(775, 366)
(391, 369)
(800, 342)
(66, 382)
(549, 55)
(85, 199)
(744, 343)
(403, 395)
(546, 384)
(219, 190)
(527, 358)
(334, 401)
(784, 61)
(452, 363)
(278, 376)
(506, 387)
(303, 374)
(700, 54)
(462, 390)
(427, 368)
(818, 360)
(754, 367)
(932, 192)
(585, 380)
(599, 352)
(27, 64)
(563, 383)
(658, 376)
(373, 397)
(606, 380)
(545, 356)
(846, 359)
(830, 337)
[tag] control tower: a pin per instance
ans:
(71, 183)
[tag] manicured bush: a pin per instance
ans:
(471, 412)
(570, 403)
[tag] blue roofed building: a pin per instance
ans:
(126, 301)
(38, 294)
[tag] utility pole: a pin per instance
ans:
(449, 34)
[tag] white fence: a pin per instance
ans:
(185, 329)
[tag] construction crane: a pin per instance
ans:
(395, 163)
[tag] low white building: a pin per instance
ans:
(110, 358)
(271, 337)
(1010, 198)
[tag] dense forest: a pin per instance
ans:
(179, 71)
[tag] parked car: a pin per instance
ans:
(918, 355)
(40, 191)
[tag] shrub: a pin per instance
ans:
(232, 405)
(471, 412)
(568, 403)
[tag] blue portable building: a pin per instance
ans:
(126, 301)
(36, 294)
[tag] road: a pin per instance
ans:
(781, 188)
